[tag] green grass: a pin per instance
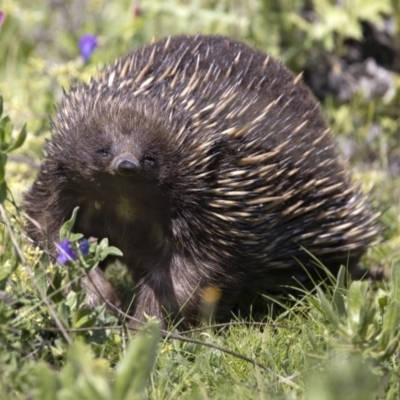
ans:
(339, 343)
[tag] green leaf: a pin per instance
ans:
(367, 315)
(103, 244)
(6, 269)
(18, 141)
(391, 319)
(395, 281)
(47, 383)
(134, 370)
(385, 337)
(103, 250)
(389, 349)
(82, 378)
(110, 251)
(3, 160)
(338, 294)
(312, 339)
(1, 106)
(327, 309)
(74, 237)
(85, 317)
(356, 300)
(66, 228)
(3, 192)
(54, 290)
(5, 132)
(391, 322)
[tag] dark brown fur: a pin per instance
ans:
(239, 179)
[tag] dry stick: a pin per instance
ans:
(176, 336)
(238, 323)
(169, 335)
(53, 314)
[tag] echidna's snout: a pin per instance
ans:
(126, 164)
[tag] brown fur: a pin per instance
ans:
(238, 176)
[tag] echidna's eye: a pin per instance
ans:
(150, 161)
(103, 152)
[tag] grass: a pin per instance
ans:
(341, 342)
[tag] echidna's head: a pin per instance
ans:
(118, 147)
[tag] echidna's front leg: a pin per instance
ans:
(99, 290)
(155, 297)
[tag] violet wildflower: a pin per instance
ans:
(1, 17)
(87, 44)
(84, 247)
(65, 252)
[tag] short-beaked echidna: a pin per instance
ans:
(208, 164)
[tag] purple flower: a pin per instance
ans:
(65, 252)
(84, 247)
(87, 44)
(1, 17)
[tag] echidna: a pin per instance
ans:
(208, 164)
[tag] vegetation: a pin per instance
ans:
(339, 341)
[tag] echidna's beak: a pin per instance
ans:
(126, 164)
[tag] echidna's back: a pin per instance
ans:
(273, 184)
(216, 80)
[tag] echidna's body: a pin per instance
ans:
(208, 164)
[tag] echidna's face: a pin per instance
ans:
(116, 146)
(127, 156)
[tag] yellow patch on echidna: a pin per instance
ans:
(211, 294)
(125, 209)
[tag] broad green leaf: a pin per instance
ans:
(18, 141)
(366, 327)
(6, 270)
(356, 300)
(89, 383)
(110, 251)
(390, 348)
(54, 290)
(385, 337)
(103, 250)
(134, 370)
(5, 132)
(3, 192)
(47, 383)
(66, 228)
(3, 160)
(103, 243)
(327, 309)
(84, 318)
(74, 237)
(391, 320)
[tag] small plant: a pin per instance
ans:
(87, 377)
(7, 145)
(80, 256)
(366, 320)
(74, 247)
